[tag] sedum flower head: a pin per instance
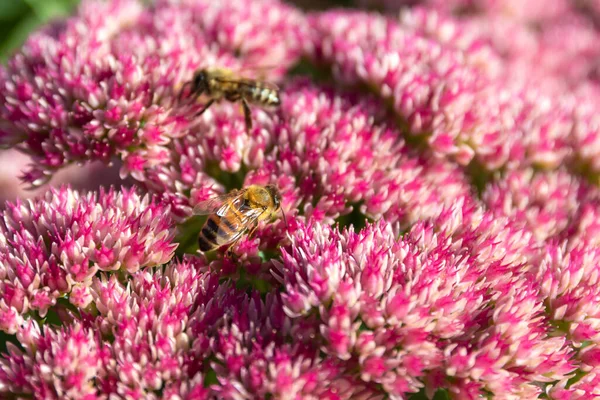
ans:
(53, 365)
(413, 313)
(104, 83)
(454, 92)
(438, 172)
(51, 247)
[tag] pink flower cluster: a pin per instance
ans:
(463, 88)
(51, 248)
(102, 84)
(438, 166)
(415, 312)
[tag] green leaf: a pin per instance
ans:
(17, 35)
(52, 318)
(441, 394)
(576, 377)
(5, 338)
(210, 378)
(46, 10)
(20, 17)
(12, 9)
(355, 219)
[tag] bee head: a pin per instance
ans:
(274, 192)
(200, 81)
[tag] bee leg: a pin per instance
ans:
(199, 113)
(252, 230)
(229, 252)
(247, 114)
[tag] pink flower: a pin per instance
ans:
(404, 309)
(148, 322)
(59, 364)
(535, 11)
(548, 202)
(568, 283)
(53, 246)
(437, 170)
(453, 91)
(257, 351)
(93, 88)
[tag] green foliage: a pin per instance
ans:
(440, 394)
(188, 235)
(5, 338)
(210, 378)
(355, 219)
(19, 17)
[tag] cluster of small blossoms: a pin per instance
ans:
(219, 149)
(343, 151)
(256, 351)
(133, 343)
(144, 325)
(568, 280)
(265, 35)
(535, 11)
(51, 364)
(328, 151)
(558, 53)
(454, 90)
(427, 84)
(549, 202)
(97, 87)
(493, 296)
(414, 312)
(162, 333)
(426, 318)
(51, 248)
(553, 49)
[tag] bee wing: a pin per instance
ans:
(248, 82)
(230, 232)
(254, 82)
(270, 85)
(249, 218)
(217, 205)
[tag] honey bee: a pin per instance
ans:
(221, 83)
(235, 213)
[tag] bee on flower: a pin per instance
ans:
(221, 83)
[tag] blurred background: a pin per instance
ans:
(19, 17)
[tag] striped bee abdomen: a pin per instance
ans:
(264, 95)
(216, 232)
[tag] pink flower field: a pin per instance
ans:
(439, 168)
